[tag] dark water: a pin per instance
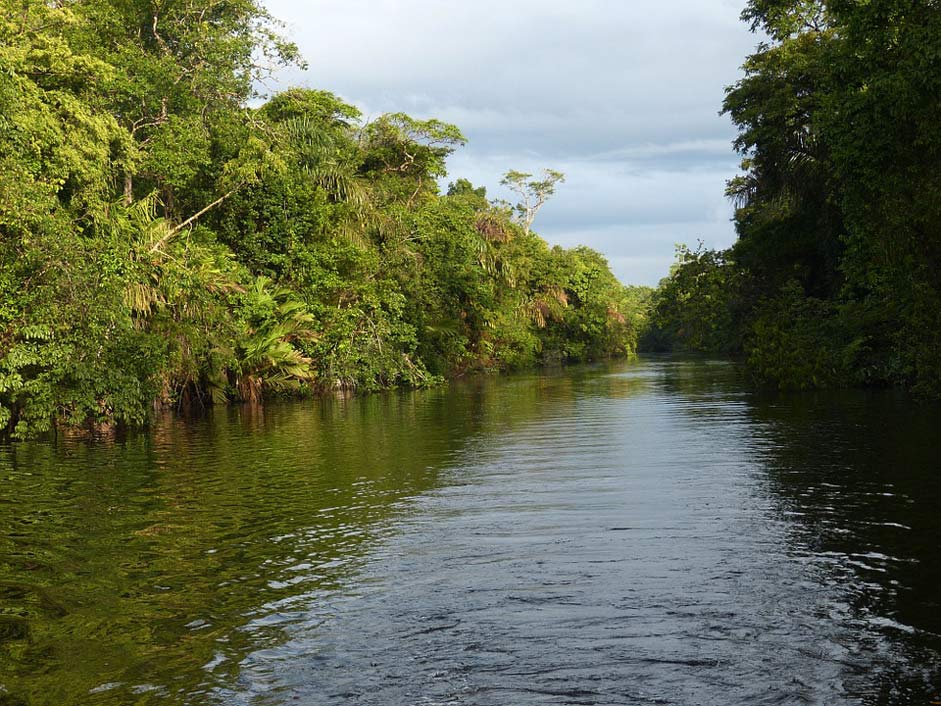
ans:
(639, 534)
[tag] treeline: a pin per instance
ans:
(835, 278)
(161, 243)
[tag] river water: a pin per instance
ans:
(640, 533)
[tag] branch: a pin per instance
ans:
(163, 44)
(176, 229)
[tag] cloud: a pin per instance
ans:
(643, 253)
(633, 207)
(622, 96)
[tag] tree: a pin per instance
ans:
(464, 187)
(408, 155)
(835, 277)
(533, 192)
(182, 72)
(164, 243)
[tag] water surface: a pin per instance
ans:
(649, 533)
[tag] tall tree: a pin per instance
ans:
(533, 193)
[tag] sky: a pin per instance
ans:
(623, 96)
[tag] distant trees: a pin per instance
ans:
(693, 308)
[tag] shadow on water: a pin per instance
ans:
(858, 481)
(613, 534)
(854, 481)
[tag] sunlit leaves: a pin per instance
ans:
(164, 244)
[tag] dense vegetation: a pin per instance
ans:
(163, 243)
(835, 278)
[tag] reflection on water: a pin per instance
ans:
(645, 533)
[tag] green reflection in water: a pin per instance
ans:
(143, 571)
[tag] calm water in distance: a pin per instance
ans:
(646, 533)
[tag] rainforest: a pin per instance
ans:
(171, 238)
(291, 414)
(172, 235)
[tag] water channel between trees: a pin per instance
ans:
(635, 533)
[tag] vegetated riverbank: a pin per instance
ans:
(835, 279)
(163, 244)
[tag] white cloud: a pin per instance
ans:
(643, 253)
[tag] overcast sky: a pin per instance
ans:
(621, 95)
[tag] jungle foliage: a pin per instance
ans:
(163, 243)
(835, 278)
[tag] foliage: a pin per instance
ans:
(162, 243)
(692, 309)
(795, 341)
(835, 274)
(533, 193)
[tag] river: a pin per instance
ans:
(636, 533)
